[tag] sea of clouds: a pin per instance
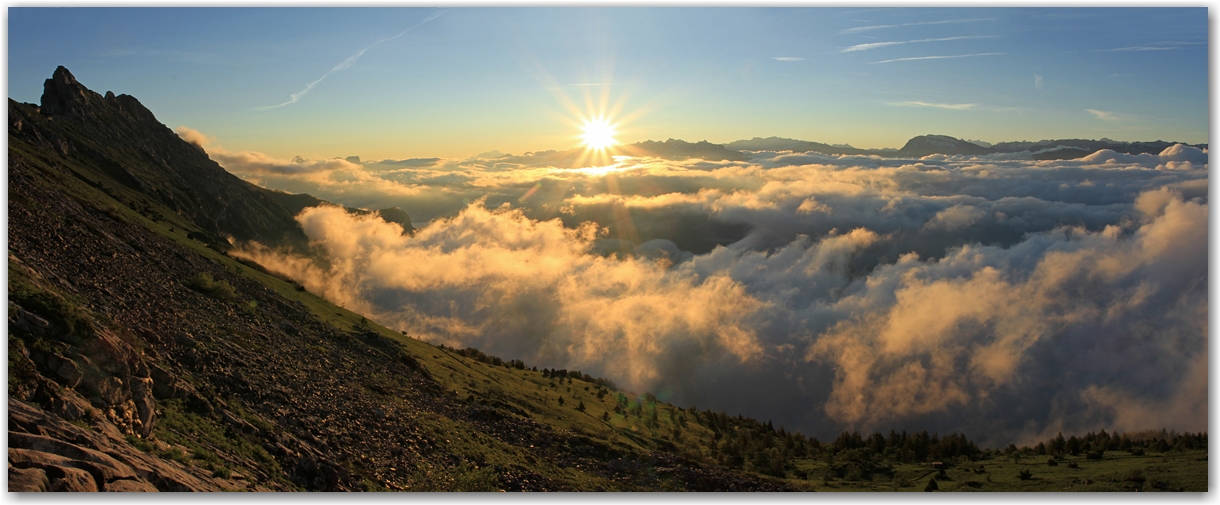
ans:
(999, 296)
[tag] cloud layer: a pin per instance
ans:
(997, 295)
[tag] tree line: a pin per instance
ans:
(517, 364)
(751, 445)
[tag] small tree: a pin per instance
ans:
(560, 401)
(1073, 445)
(605, 417)
(932, 486)
(581, 407)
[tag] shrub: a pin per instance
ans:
(70, 319)
(1025, 475)
(175, 454)
(1052, 462)
(932, 486)
(204, 283)
(139, 443)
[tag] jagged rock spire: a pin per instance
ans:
(62, 94)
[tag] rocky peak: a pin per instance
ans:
(924, 145)
(62, 94)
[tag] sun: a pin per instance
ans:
(598, 134)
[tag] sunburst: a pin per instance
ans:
(598, 134)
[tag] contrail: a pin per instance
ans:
(934, 57)
(875, 45)
(347, 63)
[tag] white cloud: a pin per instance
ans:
(193, 136)
(1104, 115)
(936, 292)
(953, 106)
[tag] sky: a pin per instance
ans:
(393, 83)
(1005, 296)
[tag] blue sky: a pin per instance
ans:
(519, 79)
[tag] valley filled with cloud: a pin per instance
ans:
(999, 295)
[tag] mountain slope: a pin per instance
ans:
(142, 357)
(150, 164)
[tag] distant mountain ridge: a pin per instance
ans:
(925, 145)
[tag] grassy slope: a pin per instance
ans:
(1117, 471)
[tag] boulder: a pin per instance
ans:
(112, 354)
(69, 373)
(25, 480)
(163, 382)
(72, 480)
(23, 320)
(146, 406)
(71, 406)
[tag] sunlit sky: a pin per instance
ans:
(522, 79)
